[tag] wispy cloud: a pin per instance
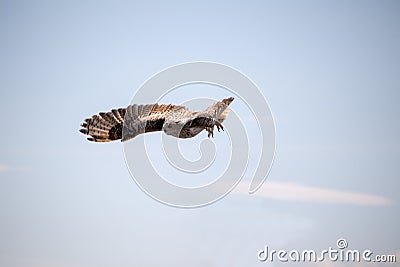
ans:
(3, 168)
(297, 192)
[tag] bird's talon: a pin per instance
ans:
(210, 131)
(219, 126)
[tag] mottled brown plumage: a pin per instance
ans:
(178, 121)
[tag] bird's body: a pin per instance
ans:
(126, 123)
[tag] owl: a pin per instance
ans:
(126, 123)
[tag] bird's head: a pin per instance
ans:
(227, 101)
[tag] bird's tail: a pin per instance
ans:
(105, 127)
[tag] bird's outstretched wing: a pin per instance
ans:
(132, 121)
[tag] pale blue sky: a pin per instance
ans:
(329, 70)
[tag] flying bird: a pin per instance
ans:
(126, 123)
